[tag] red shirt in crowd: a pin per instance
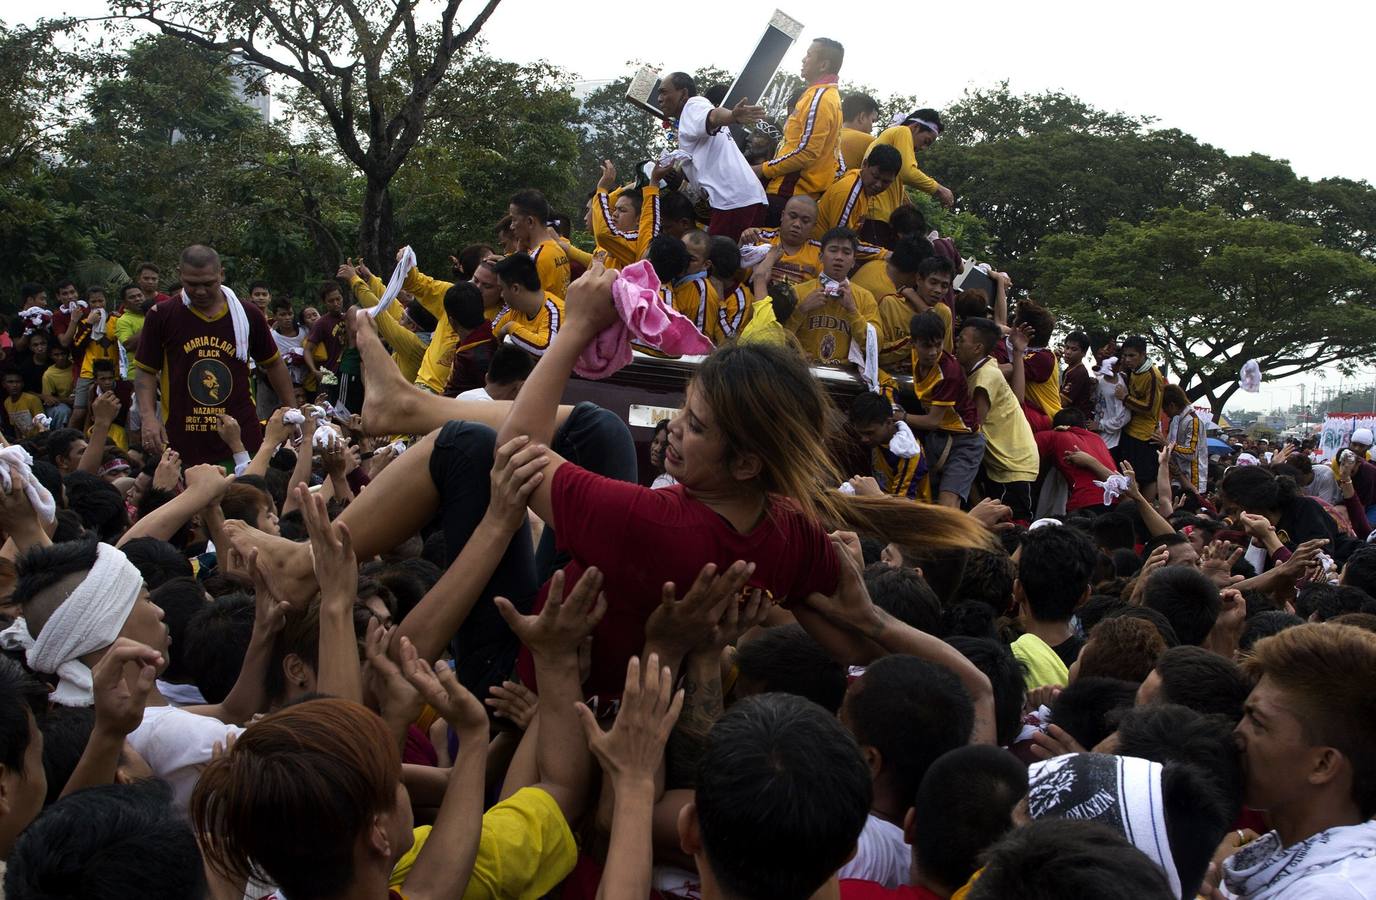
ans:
(859, 889)
(1077, 386)
(1056, 443)
(641, 538)
(201, 376)
(329, 332)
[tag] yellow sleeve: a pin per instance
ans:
(620, 245)
(831, 207)
(910, 174)
(429, 291)
(763, 328)
(578, 255)
(554, 277)
(649, 218)
(865, 252)
(821, 127)
(525, 851)
(534, 337)
(866, 313)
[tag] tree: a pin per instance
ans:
(1210, 292)
(367, 65)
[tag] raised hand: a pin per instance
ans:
(119, 699)
(514, 702)
(516, 473)
(564, 622)
(439, 687)
(332, 550)
(634, 747)
(677, 626)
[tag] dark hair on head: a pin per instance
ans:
(463, 304)
(246, 503)
(30, 289)
(95, 290)
(1257, 490)
(1365, 620)
(1327, 670)
(1266, 623)
(1088, 708)
(1114, 530)
(926, 114)
(986, 332)
(1134, 342)
(289, 802)
(560, 223)
(971, 303)
(1068, 859)
(115, 841)
(911, 711)
(903, 594)
(281, 304)
(1043, 323)
(260, 283)
(676, 207)
(782, 796)
(409, 580)
(1203, 681)
(327, 288)
(908, 220)
(66, 731)
(126, 288)
(669, 257)
(1126, 562)
(969, 618)
(1187, 598)
(40, 568)
(65, 283)
(421, 316)
(1147, 614)
(299, 637)
(1122, 648)
(1169, 732)
(661, 425)
(1007, 676)
(723, 257)
(99, 504)
(1079, 339)
(1096, 608)
(13, 373)
(716, 94)
(509, 364)
(59, 444)
(70, 528)
(530, 202)
(909, 253)
(857, 104)
(22, 697)
(49, 476)
(964, 805)
(682, 81)
(841, 234)
(470, 258)
(1359, 570)
(217, 639)
(832, 51)
(1175, 395)
(869, 408)
(518, 269)
(988, 577)
(101, 366)
(1323, 601)
(1054, 571)
(885, 159)
(180, 599)
(786, 659)
(785, 300)
(928, 328)
(937, 265)
(1068, 417)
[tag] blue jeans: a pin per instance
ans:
(61, 414)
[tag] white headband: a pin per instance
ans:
(88, 620)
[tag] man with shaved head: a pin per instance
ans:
(196, 348)
(800, 257)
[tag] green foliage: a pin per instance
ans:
(1210, 292)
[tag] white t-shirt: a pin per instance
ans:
(285, 346)
(880, 855)
(475, 394)
(176, 744)
(663, 480)
(718, 164)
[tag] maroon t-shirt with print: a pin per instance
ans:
(201, 377)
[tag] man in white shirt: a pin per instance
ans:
(737, 197)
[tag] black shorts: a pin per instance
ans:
(1140, 454)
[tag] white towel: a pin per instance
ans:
(293, 417)
(867, 358)
(69, 309)
(404, 267)
(903, 444)
(753, 254)
(36, 318)
(1250, 379)
(1114, 486)
(237, 317)
(17, 459)
(88, 620)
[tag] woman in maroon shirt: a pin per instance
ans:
(748, 450)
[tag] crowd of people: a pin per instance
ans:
(342, 600)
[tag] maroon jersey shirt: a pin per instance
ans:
(201, 377)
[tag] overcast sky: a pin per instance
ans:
(1268, 77)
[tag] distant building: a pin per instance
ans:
(259, 98)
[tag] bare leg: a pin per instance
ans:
(393, 406)
(391, 509)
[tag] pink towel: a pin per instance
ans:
(645, 319)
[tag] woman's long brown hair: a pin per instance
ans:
(767, 403)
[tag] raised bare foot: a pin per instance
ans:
(288, 564)
(385, 391)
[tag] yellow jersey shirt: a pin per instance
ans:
(1143, 402)
(92, 346)
(844, 203)
(873, 276)
(433, 373)
(805, 263)
(553, 265)
(895, 331)
(826, 333)
(900, 137)
(807, 159)
(1010, 450)
(532, 334)
(622, 247)
(854, 143)
(21, 412)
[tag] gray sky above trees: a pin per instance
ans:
(1265, 77)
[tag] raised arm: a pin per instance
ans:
(205, 485)
(336, 569)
